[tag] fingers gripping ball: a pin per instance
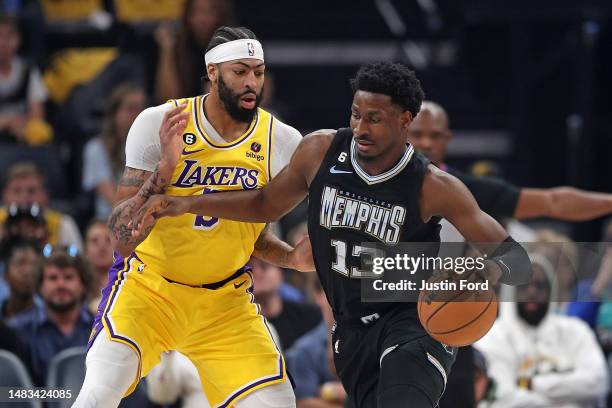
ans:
(456, 315)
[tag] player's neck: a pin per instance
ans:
(224, 124)
(382, 163)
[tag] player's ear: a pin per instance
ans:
(405, 119)
(212, 70)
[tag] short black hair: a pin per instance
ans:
(11, 246)
(225, 34)
(392, 79)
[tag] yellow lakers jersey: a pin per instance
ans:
(194, 249)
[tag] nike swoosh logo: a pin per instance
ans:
(185, 152)
(334, 171)
(237, 285)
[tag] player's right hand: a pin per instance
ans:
(157, 206)
(171, 137)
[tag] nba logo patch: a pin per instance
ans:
(256, 147)
(251, 49)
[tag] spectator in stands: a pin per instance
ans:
(99, 253)
(542, 359)
(290, 319)
(181, 56)
(575, 295)
(562, 253)
(311, 364)
(63, 321)
(22, 223)
(22, 262)
(104, 156)
(22, 92)
(24, 186)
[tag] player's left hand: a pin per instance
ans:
(171, 138)
(301, 258)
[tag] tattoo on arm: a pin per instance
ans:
(123, 212)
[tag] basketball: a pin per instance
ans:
(453, 316)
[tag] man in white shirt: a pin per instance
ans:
(542, 359)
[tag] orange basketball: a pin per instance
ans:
(457, 316)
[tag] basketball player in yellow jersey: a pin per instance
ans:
(185, 286)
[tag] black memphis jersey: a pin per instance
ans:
(347, 207)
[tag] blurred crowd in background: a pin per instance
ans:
(74, 74)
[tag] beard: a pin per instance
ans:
(231, 102)
(532, 317)
(62, 307)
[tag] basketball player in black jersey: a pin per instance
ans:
(366, 184)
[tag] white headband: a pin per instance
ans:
(233, 50)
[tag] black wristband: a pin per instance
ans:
(513, 261)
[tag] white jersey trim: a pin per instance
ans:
(384, 176)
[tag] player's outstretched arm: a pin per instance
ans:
(268, 204)
(445, 196)
(564, 203)
(136, 186)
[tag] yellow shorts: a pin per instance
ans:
(221, 331)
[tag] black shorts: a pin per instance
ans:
(391, 359)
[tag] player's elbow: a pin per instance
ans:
(556, 200)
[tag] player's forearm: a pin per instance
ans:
(571, 204)
(270, 248)
(246, 206)
(121, 216)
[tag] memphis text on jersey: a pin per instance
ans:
(342, 209)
